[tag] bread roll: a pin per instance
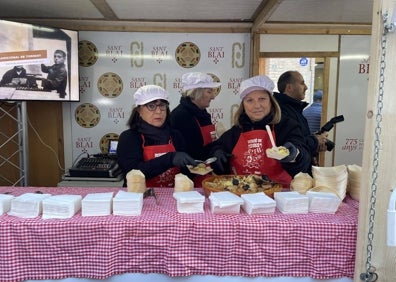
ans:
(301, 182)
(183, 183)
(136, 181)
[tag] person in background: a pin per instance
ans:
(313, 112)
(150, 144)
(14, 77)
(57, 74)
(242, 149)
(191, 118)
(291, 86)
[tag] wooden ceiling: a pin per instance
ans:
(192, 15)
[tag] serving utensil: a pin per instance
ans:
(202, 171)
(234, 170)
(271, 137)
(275, 152)
(150, 192)
(208, 161)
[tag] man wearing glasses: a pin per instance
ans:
(57, 74)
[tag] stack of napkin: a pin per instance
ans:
(323, 202)
(97, 204)
(354, 180)
(225, 202)
(61, 206)
(28, 205)
(334, 177)
(127, 203)
(5, 203)
(189, 202)
(291, 202)
(257, 203)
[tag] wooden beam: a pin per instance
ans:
(315, 28)
(142, 26)
(254, 60)
(194, 27)
(378, 176)
(266, 9)
(297, 54)
(104, 9)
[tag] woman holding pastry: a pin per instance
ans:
(150, 144)
(246, 148)
(192, 119)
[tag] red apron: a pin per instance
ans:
(167, 178)
(208, 133)
(249, 157)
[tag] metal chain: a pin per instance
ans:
(370, 275)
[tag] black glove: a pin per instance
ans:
(293, 153)
(222, 159)
(181, 159)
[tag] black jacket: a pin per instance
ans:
(293, 109)
(130, 150)
(185, 118)
(56, 79)
(12, 73)
(286, 130)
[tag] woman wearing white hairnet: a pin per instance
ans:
(242, 149)
(150, 144)
(191, 117)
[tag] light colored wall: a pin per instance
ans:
(298, 43)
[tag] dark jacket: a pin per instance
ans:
(293, 109)
(12, 73)
(56, 79)
(185, 118)
(286, 130)
(130, 150)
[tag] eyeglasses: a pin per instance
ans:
(153, 106)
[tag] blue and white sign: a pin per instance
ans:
(303, 62)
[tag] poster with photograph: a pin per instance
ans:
(38, 63)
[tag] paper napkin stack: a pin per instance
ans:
(28, 205)
(257, 203)
(291, 202)
(61, 206)
(127, 203)
(322, 202)
(225, 202)
(97, 204)
(354, 180)
(189, 202)
(5, 203)
(334, 177)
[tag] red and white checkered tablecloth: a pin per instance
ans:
(161, 240)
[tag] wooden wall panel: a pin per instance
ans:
(46, 119)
